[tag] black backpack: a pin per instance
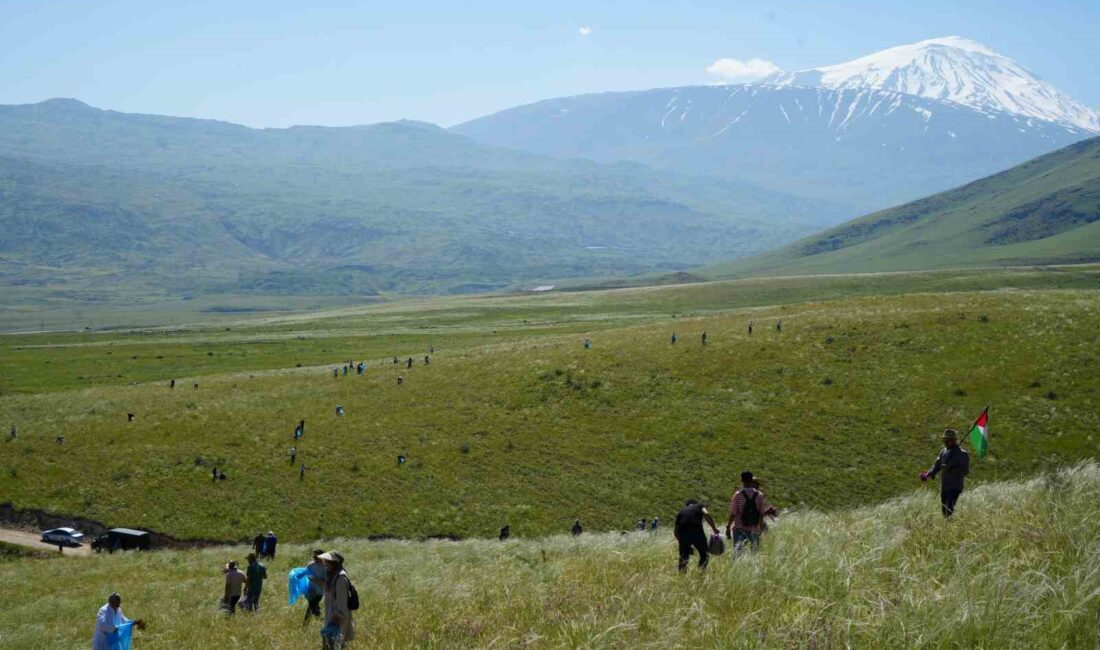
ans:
(750, 515)
(353, 596)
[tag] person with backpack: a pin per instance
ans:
(688, 530)
(341, 600)
(953, 464)
(748, 507)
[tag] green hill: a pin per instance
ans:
(1044, 211)
(514, 421)
(100, 207)
(1016, 568)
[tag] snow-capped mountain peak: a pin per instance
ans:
(951, 68)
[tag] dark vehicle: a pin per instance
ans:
(121, 539)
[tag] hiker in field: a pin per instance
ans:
(688, 530)
(317, 575)
(335, 372)
(172, 384)
(704, 337)
(258, 544)
(270, 542)
(254, 577)
(409, 363)
(750, 328)
(654, 525)
(674, 338)
(234, 583)
(221, 476)
(588, 344)
(400, 459)
(747, 510)
(953, 464)
(108, 620)
(214, 474)
(505, 533)
(395, 362)
(12, 435)
(577, 530)
(640, 525)
(293, 455)
(339, 627)
(779, 325)
(59, 440)
(400, 379)
(129, 417)
(427, 360)
(302, 472)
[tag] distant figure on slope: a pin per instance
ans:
(300, 429)
(129, 417)
(431, 349)
(400, 379)
(13, 434)
(108, 621)
(750, 328)
(953, 464)
(317, 575)
(409, 364)
(258, 544)
(427, 360)
(339, 625)
(688, 530)
(172, 384)
(747, 510)
(270, 543)
(293, 455)
(302, 472)
(588, 344)
(400, 459)
(60, 440)
(395, 362)
(779, 325)
(505, 533)
(335, 372)
(674, 338)
(704, 337)
(214, 474)
(234, 583)
(640, 525)
(339, 411)
(577, 530)
(654, 525)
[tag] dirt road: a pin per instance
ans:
(34, 540)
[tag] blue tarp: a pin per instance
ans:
(297, 584)
(120, 639)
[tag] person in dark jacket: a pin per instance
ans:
(953, 464)
(258, 544)
(270, 543)
(688, 531)
(577, 529)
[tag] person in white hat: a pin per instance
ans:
(339, 627)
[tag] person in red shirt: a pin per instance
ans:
(748, 507)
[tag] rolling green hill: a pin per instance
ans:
(1045, 211)
(100, 207)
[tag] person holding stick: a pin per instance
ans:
(952, 464)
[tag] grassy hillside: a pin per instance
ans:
(1044, 211)
(1015, 569)
(99, 207)
(515, 422)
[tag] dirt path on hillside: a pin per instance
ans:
(34, 540)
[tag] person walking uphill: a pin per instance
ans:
(688, 530)
(340, 601)
(953, 464)
(748, 508)
(254, 576)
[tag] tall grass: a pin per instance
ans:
(1018, 567)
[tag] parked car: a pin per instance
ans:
(121, 539)
(63, 536)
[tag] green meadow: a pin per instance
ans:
(515, 422)
(1016, 568)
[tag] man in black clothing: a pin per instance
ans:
(577, 530)
(258, 544)
(953, 464)
(688, 531)
(505, 533)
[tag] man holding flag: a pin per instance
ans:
(953, 464)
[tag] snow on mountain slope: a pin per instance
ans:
(954, 69)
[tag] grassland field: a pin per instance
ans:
(1016, 568)
(515, 422)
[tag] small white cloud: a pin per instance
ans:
(738, 70)
(584, 30)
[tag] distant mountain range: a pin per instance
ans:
(1045, 211)
(884, 129)
(104, 206)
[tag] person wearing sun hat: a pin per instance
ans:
(952, 464)
(339, 627)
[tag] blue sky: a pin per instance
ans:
(280, 63)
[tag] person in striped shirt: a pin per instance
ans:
(748, 507)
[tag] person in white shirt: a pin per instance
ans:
(108, 619)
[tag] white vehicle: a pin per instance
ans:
(63, 536)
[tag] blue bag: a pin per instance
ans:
(120, 638)
(297, 584)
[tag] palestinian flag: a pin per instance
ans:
(979, 434)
